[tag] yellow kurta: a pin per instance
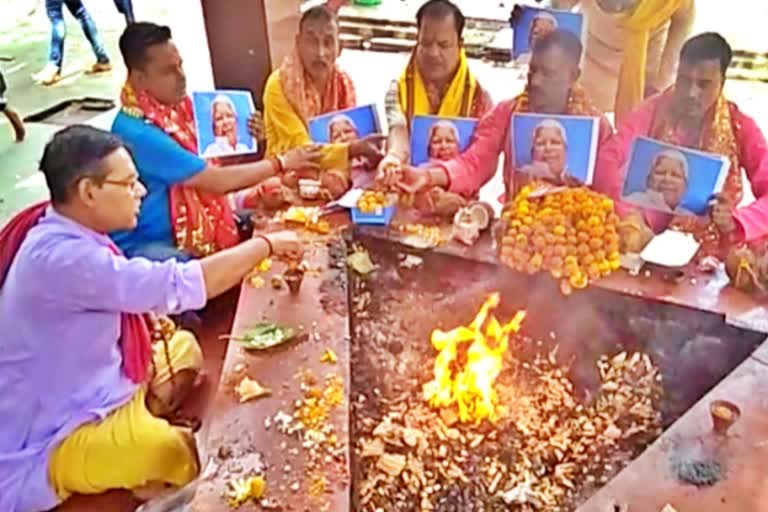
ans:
(286, 130)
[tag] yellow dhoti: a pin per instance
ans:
(131, 448)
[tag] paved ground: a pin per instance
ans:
(24, 43)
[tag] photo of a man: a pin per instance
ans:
(667, 184)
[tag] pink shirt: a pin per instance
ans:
(472, 169)
(753, 156)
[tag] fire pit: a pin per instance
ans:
(513, 405)
(430, 381)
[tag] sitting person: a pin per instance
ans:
(186, 213)
(84, 394)
(694, 113)
(552, 88)
(437, 80)
(666, 184)
(308, 84)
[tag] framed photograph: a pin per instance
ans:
(672, 179)
(345, 125)
(555, 147)
(439, 138)
(536, 22)
(221, 119)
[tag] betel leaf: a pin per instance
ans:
(264, 335)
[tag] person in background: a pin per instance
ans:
(437, 80)
(13, 117)
(85, 397)
(695, 113)
(666, 184)
(552, 88)
(443, 141)
(631, 48)
(310, 83)
(51, 73)
(186, 213)
(224, 119)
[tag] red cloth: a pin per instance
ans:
(135, 340)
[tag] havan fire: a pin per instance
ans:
(500, 428)
(470, 386)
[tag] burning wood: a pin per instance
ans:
(471, 388)
(547, 452)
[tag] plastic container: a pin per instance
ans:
(382, 218)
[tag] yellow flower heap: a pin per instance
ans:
(570, 233)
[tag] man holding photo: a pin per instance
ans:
(552, 88)
(694, 113)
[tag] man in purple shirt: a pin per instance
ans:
(75, 371)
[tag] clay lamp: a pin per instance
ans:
(293, 276)
(724, 415)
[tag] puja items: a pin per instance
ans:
(293, 278)
(309, 189)
(571, 233)
(372, 201)
(308, 216)
(420, 236)
(747, 269)
(470, 221)
(724, 415)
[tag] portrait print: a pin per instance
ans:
(345, 126)
(534, 23)
(672, 179)
(436, 139)
(558, 149)
(221, 119)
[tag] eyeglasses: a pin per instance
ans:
(133, 184)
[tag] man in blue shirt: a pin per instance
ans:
(156, 123)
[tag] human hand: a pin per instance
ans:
(368, 147)
(256, 126)
(286, 243)
(335, 183)
(722, 214)
(388, 168)
(413, 179)
(303, 158)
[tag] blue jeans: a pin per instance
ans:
(54, 9)
(159, 251)
(125, 7)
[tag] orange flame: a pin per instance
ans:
(471, 388)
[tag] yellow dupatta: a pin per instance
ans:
(457, 100)
(648, 15)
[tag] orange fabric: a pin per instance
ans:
(305, 99)
(717, 136)
(203, 223)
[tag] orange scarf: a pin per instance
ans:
(305, 99)
(719, 136)
(203, 223)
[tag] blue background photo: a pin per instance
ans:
(420, 135)
(705, 173)
(365, 117)
(581, 132)
(570, 21)
(243, 106)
